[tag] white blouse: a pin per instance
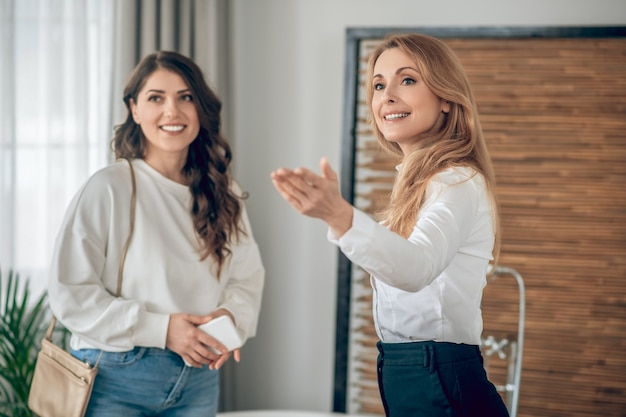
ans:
(429, 286)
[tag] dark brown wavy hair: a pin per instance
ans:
(216, 209)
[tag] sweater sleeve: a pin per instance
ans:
(243, 289)
(81, 291)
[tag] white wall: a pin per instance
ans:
(287, 85)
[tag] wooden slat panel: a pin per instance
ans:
(554, 114)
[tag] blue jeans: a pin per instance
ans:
(149, 382)
(435, 379)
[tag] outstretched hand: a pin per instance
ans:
(315, 195)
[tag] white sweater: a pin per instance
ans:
(163, 273)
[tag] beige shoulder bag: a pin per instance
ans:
(62, 384)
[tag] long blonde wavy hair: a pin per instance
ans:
(457, 141)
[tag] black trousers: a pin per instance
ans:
(436, 379)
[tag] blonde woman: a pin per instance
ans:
(429, 254)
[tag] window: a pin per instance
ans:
(55, 120)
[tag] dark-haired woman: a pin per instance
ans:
(192, 256)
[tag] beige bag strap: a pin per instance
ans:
(133, 202)
(120, 272)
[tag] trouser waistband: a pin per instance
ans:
(431, 352)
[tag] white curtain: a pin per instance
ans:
(55, 111)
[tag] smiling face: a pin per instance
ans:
(403, 106)
(166, 112)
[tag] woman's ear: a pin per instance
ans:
(445, 106)
(133, 110)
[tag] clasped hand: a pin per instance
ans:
(192, 344)
(315, 195)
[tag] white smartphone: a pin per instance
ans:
(223, 329)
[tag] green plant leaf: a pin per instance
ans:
(22, 326)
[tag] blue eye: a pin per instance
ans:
(378, 86)
(408, 81)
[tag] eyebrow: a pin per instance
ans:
(186, 90)
(398, 71)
